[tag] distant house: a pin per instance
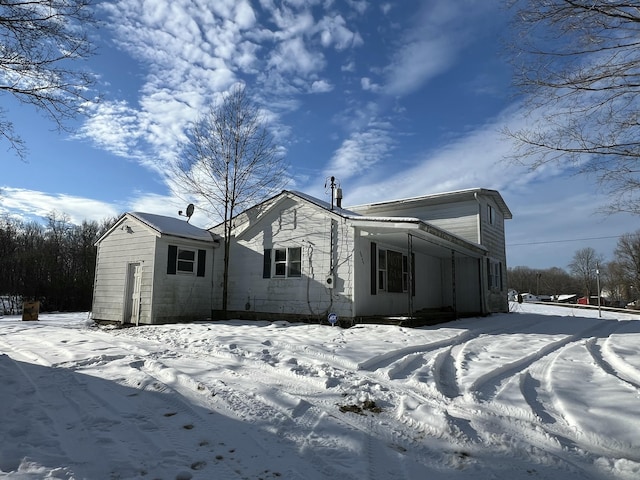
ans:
(529, 297)
(294, 256)
(153, 269)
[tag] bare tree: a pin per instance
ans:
(617, 283)
(578, 64)
(41, 43)
(551, 281)
(230, 162)
(583, 266)
(627, 254)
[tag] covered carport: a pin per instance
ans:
(444, 271)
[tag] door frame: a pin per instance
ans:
(133, 293)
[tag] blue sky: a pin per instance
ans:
(395, 99)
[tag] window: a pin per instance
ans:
(186, 261)
(393, 271)
(405, 273)
(287, 262)
(494, 274)
(491, 214)
(382, 269)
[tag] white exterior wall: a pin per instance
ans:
(493, 237)
(115, 252)
(428, 280)
(182, 296)
(291, 224)
(459, 218)
(468, 219)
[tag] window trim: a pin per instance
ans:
(382, 270)
(282, 259)
(174, 260)
(192, 262)
(494, 274)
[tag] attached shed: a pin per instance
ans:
(295, 255)
(153, 269)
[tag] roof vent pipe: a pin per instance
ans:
(336, 191)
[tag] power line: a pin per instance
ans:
(562, 241)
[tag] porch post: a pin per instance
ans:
(410, 274)
(453, 282)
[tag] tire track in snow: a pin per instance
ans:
(445, 374)
(486, 386)
(397, 356)
(386, 359)
(597, 354)
(585, 430)
(621, 368)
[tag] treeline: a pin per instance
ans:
(53, 263)
(619, 279)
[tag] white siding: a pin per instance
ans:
(292, 224)
(428, 281)
(459, 218)
(493, 237)
(181, 297)
(115, 252)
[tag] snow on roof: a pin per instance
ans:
(172, 226)
(442, 196)
(323, 204)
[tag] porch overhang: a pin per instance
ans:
(431, 240)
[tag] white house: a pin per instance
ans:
(294, 256)
(153, 269)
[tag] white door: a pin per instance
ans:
(134, 287)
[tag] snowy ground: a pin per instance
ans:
(541, 392)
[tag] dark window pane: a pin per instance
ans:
(281, 269)
(185, 266)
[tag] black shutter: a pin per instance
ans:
(501, 286)
(374, 269)
(202, 262)
(171, 260)
(266, 266)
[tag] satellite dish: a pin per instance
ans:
(190, 209)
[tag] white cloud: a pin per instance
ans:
(433, 44)
(333, 31)
(293, 56)
(368, 85)
(360, 152)
(321, 86)
(36, 205)
(195, 50)
(32, 203)
(418, 62)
